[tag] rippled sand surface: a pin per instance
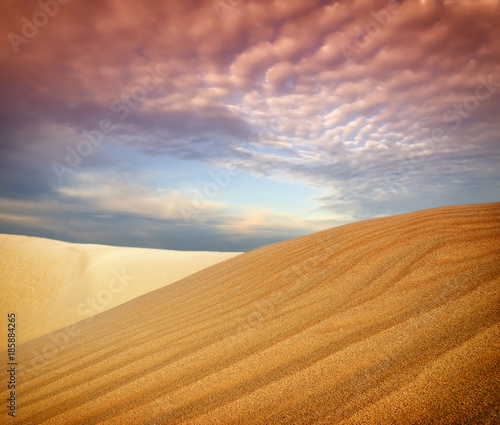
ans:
(387, 321)
(52, 284)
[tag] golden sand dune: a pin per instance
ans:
(388, 321)
(51, 284)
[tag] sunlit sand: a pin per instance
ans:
(52, 284)
(387, 321)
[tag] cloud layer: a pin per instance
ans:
(376, 108)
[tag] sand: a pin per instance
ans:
(52, 284)
(394, 320)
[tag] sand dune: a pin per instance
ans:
(52, 284)
(388, 321)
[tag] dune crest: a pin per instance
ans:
(387, 321)
(52, 284)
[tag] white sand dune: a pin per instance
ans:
(52, 284)
(394, 320)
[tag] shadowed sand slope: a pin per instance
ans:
(52, 284)
(388, 321)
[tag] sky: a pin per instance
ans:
(228, 125)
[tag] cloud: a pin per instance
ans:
(269, 89)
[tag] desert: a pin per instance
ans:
(390, 320)
(39, 276)
(250, 212)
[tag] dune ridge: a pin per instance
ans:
(394, 320)
(53, 284)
